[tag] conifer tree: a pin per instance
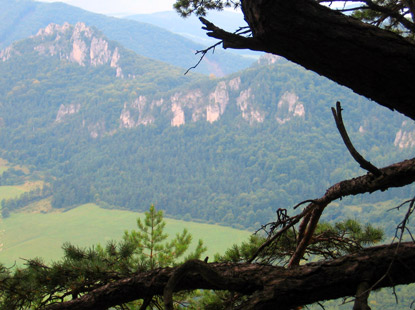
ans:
(81, 270)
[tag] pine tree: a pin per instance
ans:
(83, 269)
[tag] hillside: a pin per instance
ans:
(23, 18)
(227, 151)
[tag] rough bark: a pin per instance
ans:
(375, 63)
(268, 286)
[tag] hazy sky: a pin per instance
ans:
(117, 7)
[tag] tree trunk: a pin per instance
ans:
(375, 63)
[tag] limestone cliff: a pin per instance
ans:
(65, 110)
(405, 137)
(289, 107)
(196, 105)
(79, 44)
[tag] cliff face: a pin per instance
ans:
(86, 47)
(197, 105)
(78, 44)
(405, 137)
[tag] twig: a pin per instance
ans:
(337, 113)
(402, 228)
(303, 202)
(203, 52)
(234, 40)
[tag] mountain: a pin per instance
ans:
(102, 124)
(22, 18)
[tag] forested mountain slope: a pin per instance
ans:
(20, 19)
(107, 126)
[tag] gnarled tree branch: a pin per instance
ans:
(267, 286)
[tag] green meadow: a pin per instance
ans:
(7, 192)
(29, 235)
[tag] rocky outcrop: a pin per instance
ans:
(289, 107)
(405, 137)
(7, 53)
(178, 115)
(195, 105)
(65, 110)
(245, 103)
(192, 101)
(138, 112)
(268, 59)
(96, 129)
(218, 100)
(79, 44)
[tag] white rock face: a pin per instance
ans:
(405, 137)
(212, 113)
(235, 83)
(65, 110)
(245, 104)
(126, 120)
(193, 101)
(99, 52)
(79, 44)
(97, 129)
(137, 113)
(218, 100)
(289, 107)
(114, 63)
(268, 59)
(6, 53)
(178, 115)
(78, 53)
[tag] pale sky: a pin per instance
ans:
(120, 7)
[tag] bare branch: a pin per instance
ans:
(337, 113)
(203, 52)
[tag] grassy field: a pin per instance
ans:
(7, 192)
(28, 235)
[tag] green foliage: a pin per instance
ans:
(149, 241)
(200, 7)
(394, 15)
(329, 241)
(83, 269)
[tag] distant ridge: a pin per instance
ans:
(21, 19)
